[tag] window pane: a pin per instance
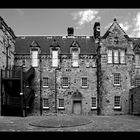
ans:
(122, 56)
(45, 103)
(109, 56)
(65, 81)
(84, 81)
(93, 102)
(35, 58)
(137, 82)
(137, 60)
(117, 78)
(45, 81)
(54, 58)
(61, 102)
(117, 101)
(75, 58)
(116, 56)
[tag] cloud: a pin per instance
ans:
(20, 12)
(125, 26)
(136, 26)
(84, 17)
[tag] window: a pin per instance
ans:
(137, 60)
(109, 56)
(117, 79)
(75, 58)
(54, 58)
(35, 58)
(93, 103)
(117, 102)
(84, 82)
(45, 81)
(137, 82)
(122, 56)
(61, 104)
(116, 56)
(46, 103)
(65, 82)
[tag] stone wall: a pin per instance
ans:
(75, 75)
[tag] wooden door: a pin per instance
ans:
(77, 107)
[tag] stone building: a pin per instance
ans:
(68, 78)
(7, 47)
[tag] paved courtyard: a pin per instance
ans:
(68, 123)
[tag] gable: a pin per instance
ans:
(115, 35)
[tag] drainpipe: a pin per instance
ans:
(40, 87)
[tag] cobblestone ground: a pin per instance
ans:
(97, 123)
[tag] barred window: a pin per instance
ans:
(109, 56)
(45, 103)
(117, 102)
(45, 81)
(61, 103)
(117, 79)
(116, 56)
(54, 58)
(84, 82)
(65, 82)
(137, 82)
(34, 58)
(137, 60)
(93, 102)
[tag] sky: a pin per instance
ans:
(56, 21)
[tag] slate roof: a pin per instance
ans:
(87, 45)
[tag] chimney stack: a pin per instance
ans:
(96, 30)
(70, 31)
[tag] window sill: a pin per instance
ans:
(65, 87)
(118, 108)
(45, 86)
(46, 108)
(117, 85)
(84, 87)
(61, 108)
(93, 108)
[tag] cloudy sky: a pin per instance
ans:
(56, 21)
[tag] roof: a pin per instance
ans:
(87, 44)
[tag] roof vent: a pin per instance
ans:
(70, 31)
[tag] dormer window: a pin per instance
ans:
(75, 57)
(34, 56)
(55, 58)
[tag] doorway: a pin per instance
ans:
(77, 107)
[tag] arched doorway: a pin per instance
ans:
(77, 103)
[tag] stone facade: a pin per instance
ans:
(74, 95)
(7, 48)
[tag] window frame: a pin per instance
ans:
(47, 78)
(36, 58)
(137, 65)
(95, 98)
(118, 102)
(77, 51)
(83, 85)
(60, 103)
(114, 79)
(64, 83)
(45, 107)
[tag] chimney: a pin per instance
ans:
(70, 31)
(96, 30)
